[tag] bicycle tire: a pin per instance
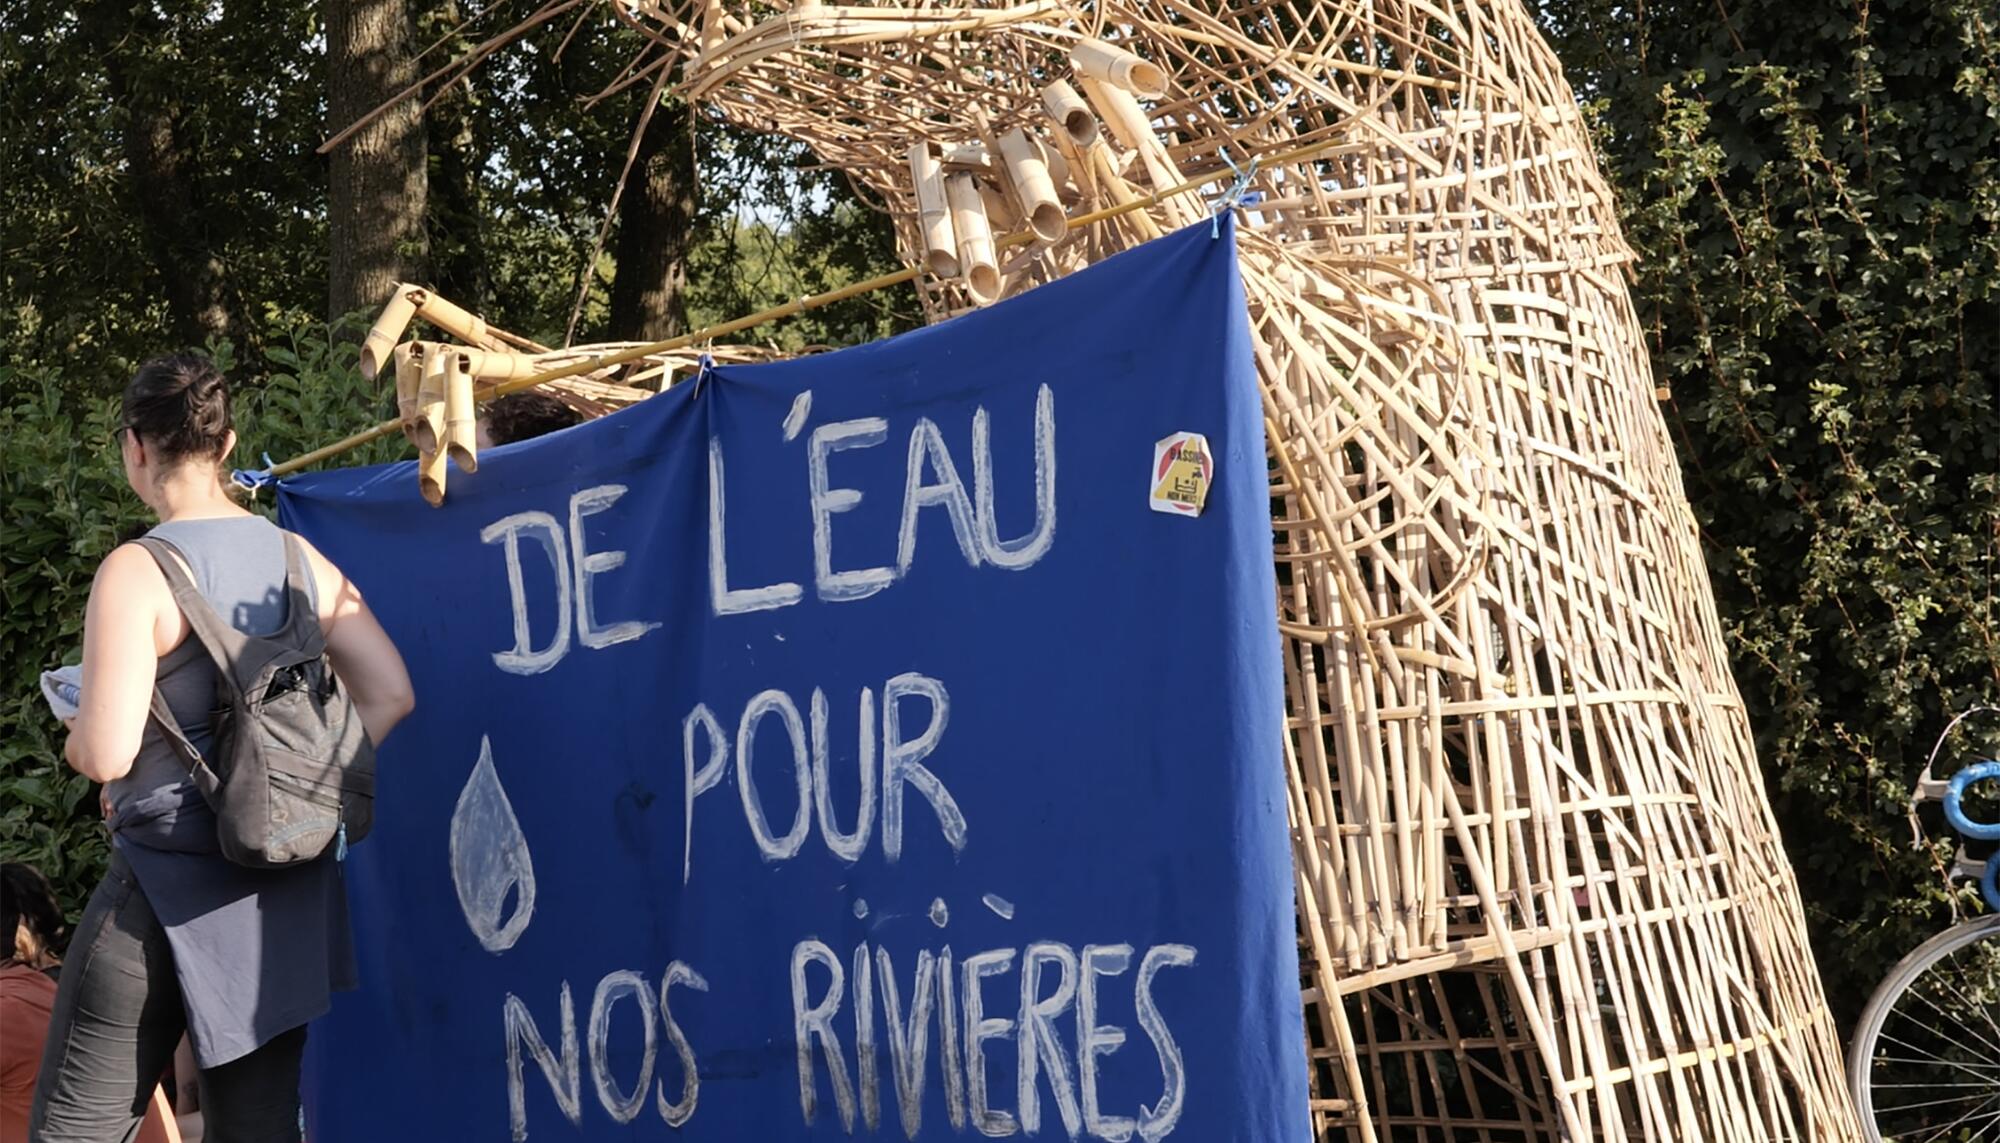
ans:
(1947, 1072)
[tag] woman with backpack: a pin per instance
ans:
(178, 936)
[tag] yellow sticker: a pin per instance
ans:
(1183, 468)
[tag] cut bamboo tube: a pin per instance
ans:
(1128, 123)
(497, 365)
(1107, 64)
(460, 428)
(409, 378)
(1133, 128)
(1032, 185)
(455, 320)
(429, 426)
(380, 343)
(975, 239)
(431, 473)
(1068, 110)
(933, 213)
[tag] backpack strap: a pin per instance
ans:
(301, 616)
(224, 644)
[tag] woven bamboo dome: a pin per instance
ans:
(1541, 894)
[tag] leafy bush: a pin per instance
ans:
(63, 503)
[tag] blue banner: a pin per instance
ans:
(882, 744)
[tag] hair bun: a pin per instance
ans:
(179, 406)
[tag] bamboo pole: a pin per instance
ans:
(934, 213)
(976, 264)
(460, 433)
(428, 430)
(1032, 185)
(1108, 64)
(431, 473)
(431, 467)
(1068, 110)
(409, 378)
(380, 343)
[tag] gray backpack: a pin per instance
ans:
(290, 772)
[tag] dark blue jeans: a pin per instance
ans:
(118, 1016)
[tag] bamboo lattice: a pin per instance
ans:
(1541, 893)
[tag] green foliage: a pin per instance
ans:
(1815, 195)
(244, 99)
(64, 503)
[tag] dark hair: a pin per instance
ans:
(25, 898)
(520, 416)
(179, 406)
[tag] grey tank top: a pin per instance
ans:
(239, 566)
(257, 952)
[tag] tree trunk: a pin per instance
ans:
(655, 229)
(456, 225)
(162, 174)
(193, 275)
(377, 184)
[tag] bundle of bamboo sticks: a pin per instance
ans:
(440, 383)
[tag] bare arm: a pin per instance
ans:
(121, 637)
(367, 663)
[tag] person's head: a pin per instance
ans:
(520, 416)
(29, 916)
(175, 424)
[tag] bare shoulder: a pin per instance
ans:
(129, 570)
(334, 589)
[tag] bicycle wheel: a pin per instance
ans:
(1925, 1062)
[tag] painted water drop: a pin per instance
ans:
(490, 865)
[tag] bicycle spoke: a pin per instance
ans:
(1991, 1122)
(1931, 1047)
(1956, 1099)
(1947, 980)
(1940, 1132)
(1957, 1065)
(1947, 1017)
(1976, 1068)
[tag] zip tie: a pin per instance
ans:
(1238, 193)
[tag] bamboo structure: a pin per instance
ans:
(439, 384)
(1541, 894)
